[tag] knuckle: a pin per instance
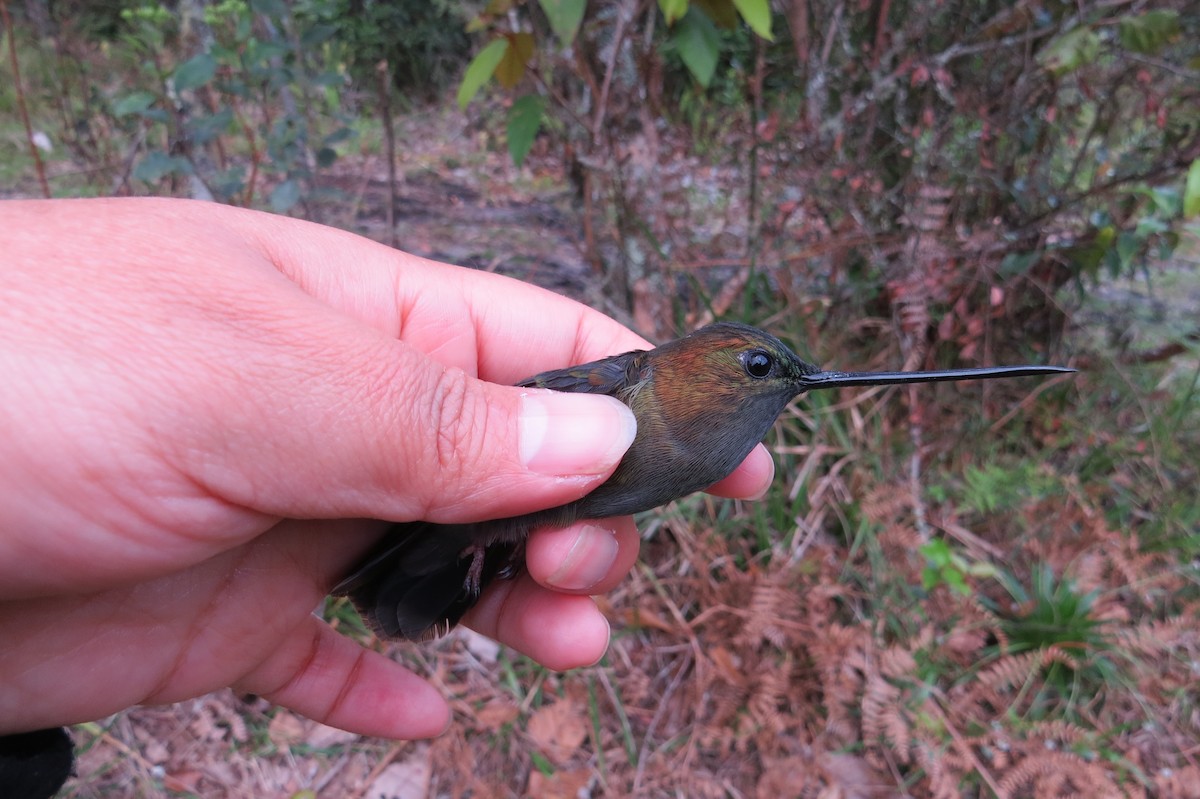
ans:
(457, 415)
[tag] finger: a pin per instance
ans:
(316, 414)
(585, 558)
(498, 328)
(331, 679)
(363, 426)
(558, 630)
(750, 480)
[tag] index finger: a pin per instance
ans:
(491, 326)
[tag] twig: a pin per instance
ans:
(914, 479)
(964, 748)
(643, 754)
(1162, 353)
(122, 180)
(1029, 398)
(968, 539)
(255, 153)
(384, 75)
(623, 15)
(385, 761)
(1174, 69)
(20, 92)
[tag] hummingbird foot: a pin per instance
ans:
(473, 584)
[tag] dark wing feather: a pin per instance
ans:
(415, 583)
(608, 376)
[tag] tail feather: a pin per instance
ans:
(417, 582)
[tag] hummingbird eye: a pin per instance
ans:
(758, 363)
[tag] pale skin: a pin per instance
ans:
(204, 407)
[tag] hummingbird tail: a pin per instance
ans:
(420, 579)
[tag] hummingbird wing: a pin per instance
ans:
(420, 579)
(613, 376)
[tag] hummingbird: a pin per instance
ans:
(702, 403)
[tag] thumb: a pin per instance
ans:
(395, 435)
(475, 450)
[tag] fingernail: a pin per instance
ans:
(766, 476)
(573, 434)
(589, 554)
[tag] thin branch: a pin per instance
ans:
(20, 92)
(1182, 72)
(624, 14)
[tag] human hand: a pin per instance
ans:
(204, 405)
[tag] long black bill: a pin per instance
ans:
(841, 379)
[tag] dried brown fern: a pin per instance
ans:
(943, 777)
(1088, 570)
(1182, 783)
(1057, 732)
(1143, 572)
(1051, 774)
(881, 715)
(898, 661)
(839, 658)
(886, 503)
(1012, 671)
(773, 609)
(769, 694)
(1155, 638)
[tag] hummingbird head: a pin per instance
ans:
(729, 370)
(737, 355)
(737, 369)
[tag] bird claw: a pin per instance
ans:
(474, 582)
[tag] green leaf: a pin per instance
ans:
(1166, 200)
(195, 72)
(541, 763)
(937, 552)
(1069, 52)
(1150, 32)
(203, 129)
(157, 165)
(285, 195)
(757, 14)
(673, 9)
(1191, 191)
(721, 12)
(134, 103)
(270, 8)
(326, 156)
(564, 16)
(1127, 248)
(956, 581)
(340, 135)
(699, 45)
(260, 54)
(1015, 264)
(511, 68)
(480, 70)
(317, 34)
(524, 119)
(228, 183)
